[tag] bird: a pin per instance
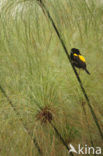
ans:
(78, 60)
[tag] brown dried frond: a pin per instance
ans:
(45, 115)
(83, 102)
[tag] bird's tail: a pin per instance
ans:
(87, 71)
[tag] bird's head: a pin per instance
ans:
(76, 51)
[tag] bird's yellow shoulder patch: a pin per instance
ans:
(82, 58)
(75, 54)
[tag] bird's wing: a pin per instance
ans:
(79, 61)
(80, 57)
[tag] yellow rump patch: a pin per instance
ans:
(80, 57)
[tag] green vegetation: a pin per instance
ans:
(35, 72)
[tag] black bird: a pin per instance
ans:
(78, 60)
